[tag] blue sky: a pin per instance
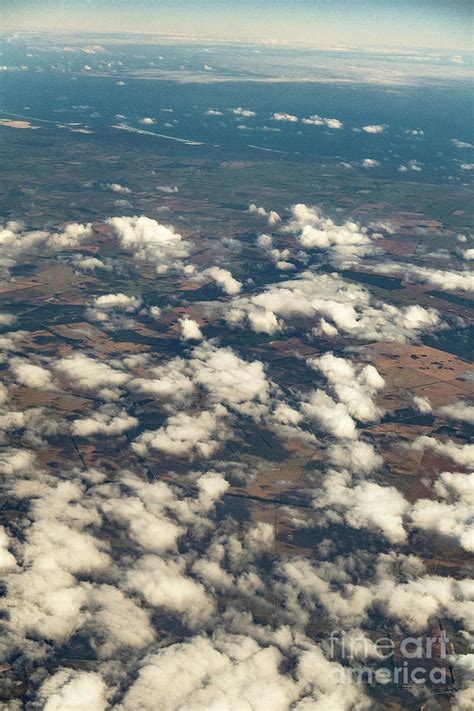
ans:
(425, 23)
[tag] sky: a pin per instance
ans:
(441, 24)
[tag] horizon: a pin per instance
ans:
(252, 41)
(444, 25)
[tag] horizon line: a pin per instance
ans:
(228, 40)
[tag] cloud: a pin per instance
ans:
(265, 242)
(451, 517)
(15, 240)
(148, 521)
(230, 380)
(150, 241)
(416, 602)
(15, 461)
(106, 421)
(12, 422)
(220, 373)
(30, 375)
(89, 374)
(164, 584)
(170, 381)
(411, 165)
(47, 601)
(316, 120)
(355, 386)
(422, 404)
(464, 665)
(461, 144)
(111, 310)
(109, 624)
(462, 454)
(211, 488)
(459, 410)
(278, 256)
(358, 457)
(330, 415)
(272, 216)
(305, 588)
(333, 123)
(397, 586)
(313, 230)
(143, 561)
(285, 117)
(170, 189)
(440, 279)
(224, 279)
(117, 301)
(347, 307)
(236, 671)
(10, 341)
(190, 330)
(7, 320)
(88, 264)
(185, 435)
(4, 394)
(245, 113)
(33, 426)
(117, 188)
(73, 690)
(7, 560)
(373, 128)
(72, 236)
(154, 312)
(213, 674)
(44, 600)
(366, 505)
(216, 378)
(257, 210)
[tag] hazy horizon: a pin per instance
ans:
(432, 25)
